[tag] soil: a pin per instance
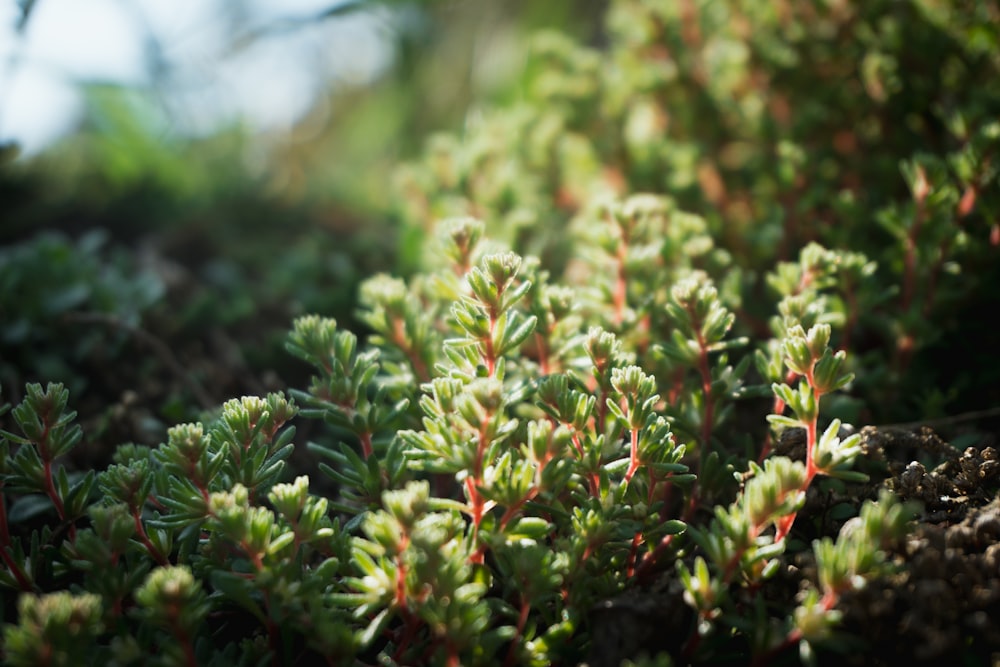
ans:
(938, 607)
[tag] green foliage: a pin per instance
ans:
(780, 127)
(54, 629)
(53, 290)
(556, 405)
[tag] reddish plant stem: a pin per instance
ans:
(452, 659)
(45, 454)
(812, 429)
(706, 387)
(602, 408)
(272, 632)
(50, 489)
(477, 505)
(676, 387)
(778, 408)
(22, 579)
(576, 440)
(784, 525)
(734, 561)
(633, 455)
(522, 620)
(513, 510)
(366, 444)
(256, 559)
(155, 502)
(144, 538)
(409, 632)
(690, 646)
(411, 354)
(650, 559)
(542, 345)
(185, 641)
(633, 554)
(401, 574)
(828, 602)
(593, 480)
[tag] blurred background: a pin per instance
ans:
(264, 82)
(181, 178)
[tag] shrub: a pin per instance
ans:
(582, 390)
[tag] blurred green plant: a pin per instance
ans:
(780, 126)
(51, 290)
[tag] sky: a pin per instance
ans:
(186, 51)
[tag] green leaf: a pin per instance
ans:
(514, 338)
(28, 507)
(280, 542)
(375, 628)
(673, 527)
(238, 589)
(534, 528)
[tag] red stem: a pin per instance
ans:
(477, 504)
(255, 558)
(593, 479)
(22, 579)
(513, 510)
(706, 387)
(522, 620)
(185, 642)
(811, 431)
(690, 646)
(401, 575)
(416, 363)
(830, 599)
(366, 444)
(633, 554)
(476, 509)
(452, 660)
(633, 455)
(409, 632)
(144, 538)
(650, 559)
(50, 489)
(784, 524)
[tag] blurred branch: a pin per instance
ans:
(26, 8)
(293, 23)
